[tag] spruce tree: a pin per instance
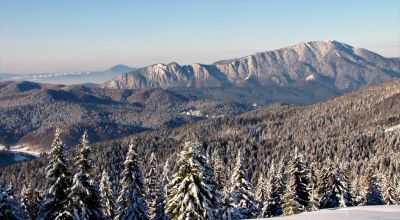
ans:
(131, 204)
(107, 196)
(10, 208)
(30, 199)
(299, 182)
(242, 196)
(152, 186)
(162, 191)
(263, 188)
(291, 206)
(273, 206)
(335, 189)
(348, 198)
(373, 195)
(219, 173)
(313, 203)
(390, 195)
(84, 194)
(58, 180)
(192, 193)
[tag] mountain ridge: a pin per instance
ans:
(332, 63)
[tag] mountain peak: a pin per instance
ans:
(120, 68)
(329, 63)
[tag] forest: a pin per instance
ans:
(277, 160)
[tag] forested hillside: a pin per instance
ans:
(277, 160)
(30, 112)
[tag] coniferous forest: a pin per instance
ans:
(274, 161)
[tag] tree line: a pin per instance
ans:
(197, 186)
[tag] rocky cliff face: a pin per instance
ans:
(331, 63)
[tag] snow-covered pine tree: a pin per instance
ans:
(313, 203)
(242, 193)
(162, 192)
(107, 196)
(85, 200)
(334, 189)
(327, 189)
(373, 190)
(30, 200)
(348, 198)
(219, 172)
(192, 193)
(273, 206)
(58, 180)
(389, 194)
(263, 188)
(131, 204)
(291, 206)
(299, 181)
(10, 208)
(152, 186)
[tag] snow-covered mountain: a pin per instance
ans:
(334, 64)
(68, 78)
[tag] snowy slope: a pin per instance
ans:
(351, 213)
(393, 128)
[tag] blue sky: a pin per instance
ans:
(72, 35)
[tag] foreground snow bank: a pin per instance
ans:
(352, 213)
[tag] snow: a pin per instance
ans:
(310, 77)
(191, 112)
(3, 147)
(351, 213)
(25, 149)
(393, 128)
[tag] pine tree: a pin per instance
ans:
(348, 198)
(389, 194)
(273, 207)
(84, 194)
(313, 203)
(373, 190)
(107, 196)
(263, 188)
(161, 196)
(242, 193)
(10, 208)
(299, 181)
(192, 192)
(30, 200)
(291, 206)
(219, 173)
(334, 190)
(131, 204)
(151, 182)
(58, 182)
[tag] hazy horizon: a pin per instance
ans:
(68, 36)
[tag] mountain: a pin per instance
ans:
(29, 112)
(333, 64)
(69, 78)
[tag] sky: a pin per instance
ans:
(86, 35)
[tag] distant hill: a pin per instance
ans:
(29, 112)
(69, 78)
(332, 64)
